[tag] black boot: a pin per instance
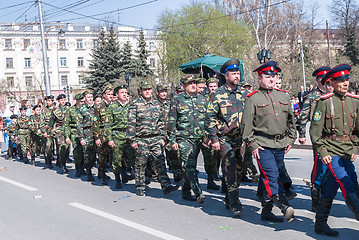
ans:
(267, 215)
(124, 175)
(33, 160)
(282, 203)
(170, 188)
(216, 177)
(118, 181)
(224, 186)
(77, 167)
(321, 226)
(130, 174)
(26, 160)
(81, 169)
(210, 183)
(186, 195)
(103, 178)
(352, 202)
(315, 199)
(89, 175)
(290, 193)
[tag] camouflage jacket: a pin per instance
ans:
(35, 124)
(22, 126)
(85, 121)
(72, 114)
(145, 119)
(57, 120)
(45, 116)
(116, 121)
(268, 119)
(11, 129)
(100, 113)
(224, 113)
(307, 110)
(186, 117)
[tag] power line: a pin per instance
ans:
(16, 5)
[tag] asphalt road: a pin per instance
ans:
(38, 203)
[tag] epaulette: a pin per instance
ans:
(252, 93)
(281, 90)
(353, 95)
(325, 96)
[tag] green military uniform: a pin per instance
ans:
(70, 125)
(186, 128)
(57, 126)
(48, 141)
(22, 131)
(146, 128)
(11, 132)
(35, 137)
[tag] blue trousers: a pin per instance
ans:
(342, 174)
(319, 171)
(271, 160)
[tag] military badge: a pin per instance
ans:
(317, 115)
(106, 119)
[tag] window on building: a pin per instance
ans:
(152, 46)
(28, 81)
(95, 43)
(79, 44)
(80, 61)
(10, 81)
(31, 99)
(27, 62)
(8, 44)
(63, 80)
(26, 43)
(9, 63)
(80, 79)
(63, 62)
(62, 44)
(152, 62)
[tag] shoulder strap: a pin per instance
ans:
(332, 114)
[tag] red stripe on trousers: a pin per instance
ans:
(344, 192)
(266, 180)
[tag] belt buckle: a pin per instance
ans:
(277, 137)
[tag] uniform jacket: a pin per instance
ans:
(100, 114)
(71, 117)
(116, 121)
(85, 121)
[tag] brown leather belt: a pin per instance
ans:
(344, 138)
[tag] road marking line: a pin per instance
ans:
(125, 222)
(18, 184)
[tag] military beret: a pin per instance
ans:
(36, 106)
(108, 87)
(320, 72)
(231, 65)
(23, 108)
(337, 73)
(179, 88)
(200, 80)
(212, 80)
(61, 96)
(188, 78)
(87, 91)
(161, 87)
(78, 96)
(122, 86)
(268, 68)
(49, 97)
(145, 84)
(13, 116)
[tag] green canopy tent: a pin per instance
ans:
(207, 64)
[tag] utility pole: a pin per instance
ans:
(328, 43)
(300, 41)
(44, 51)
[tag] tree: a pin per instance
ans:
(127, 62)
(198, 29)
(142, 55)
(105, 64)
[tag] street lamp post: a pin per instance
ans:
(128, 78)
(67, 90)
(263, 55)
(302, 55)
(61, 33)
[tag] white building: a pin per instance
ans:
(68, 52)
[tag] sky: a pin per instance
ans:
(137, 13)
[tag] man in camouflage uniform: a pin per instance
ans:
(85, 126)
(100, 140)
(268, 128)
(223, 124)
(35, 133)
(210, 163)
(146, 134)
(306, 114)
(57, 127)
(172, 156)
(71, 134)
(22, 133)
(186, 131)
(115, 132)
(10, 131)
(47, 140)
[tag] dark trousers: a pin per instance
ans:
(319, 171)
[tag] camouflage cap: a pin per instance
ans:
(78, 96)
(179, 88)
(108, 87)
(87, 91)
(188, 78)
(145, 84)
(122, 86)
(200, 80)
(161, 87)
(36, 106)
(212, 80)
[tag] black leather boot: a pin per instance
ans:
(77, 167)
(81, 169)
(33, 160)
(282, 203)
(224, 186)
(118, 181)
(321, 226)
(210, 183)
(267, 215)
(90, 178)
(103, 178)
(124, 175)
(315, 199)
(352, 202)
